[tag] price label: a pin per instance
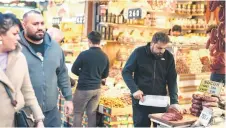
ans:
(56, 20)
(205, 116)
(210, 87)
(79, 20)
(135, 13)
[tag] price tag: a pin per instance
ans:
(205, 116)
(110, 82)
(210, 87)
(56, 20)
(79, 20)
(135, 13)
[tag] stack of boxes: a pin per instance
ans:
(116, 117)
(67, 121)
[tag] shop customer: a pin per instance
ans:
(175, 31)
(46, 67)
(57, 35)
(91, 66)
(217, 65)
(153, 67)
(14, 73)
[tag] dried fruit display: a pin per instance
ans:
(126, 99)
(190, 62)
(112, 102)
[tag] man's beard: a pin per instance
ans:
(35, 37)
(158, 55)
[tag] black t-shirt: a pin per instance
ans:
(38, 48)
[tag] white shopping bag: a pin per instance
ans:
(155, 101)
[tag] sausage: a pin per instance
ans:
(217, 45)
(213, 5)
(210, 99)
(221, 30)
(213, 36)
(221, 45)
(207, 45)
(213, 51)
(194, 110)
(195, 114)
(222, 3)
(197, 96)
(172, 110)
(222, 18)
(172, 116)
(221, 14)
(167, 118)
(194, 101)
(196, 106)
(209, 104)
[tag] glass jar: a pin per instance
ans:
(189, 9)
(184, 9)
(198, 10)
(202, 9)
(193, 9)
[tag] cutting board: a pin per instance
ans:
(187, 119)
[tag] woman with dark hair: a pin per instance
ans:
(19, 24)
(14, 75)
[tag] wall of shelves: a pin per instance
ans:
(191, 20)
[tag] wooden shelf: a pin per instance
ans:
(150, 27)
(173, 12)
(130, 25)
(194, 29)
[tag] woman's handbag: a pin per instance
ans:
(21, 117)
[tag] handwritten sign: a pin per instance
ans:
(205, 116)
(135, 13)
(210, 87)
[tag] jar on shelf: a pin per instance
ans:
(121, 19)
(116, 19)
(198, 10)
(184, 9)
(193, 9)
(193, 23)
(202, 9)
(135, 22)
(109, 17)
(189, 9)
(179, 8)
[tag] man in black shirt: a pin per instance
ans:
(91, 66)
(147, 72)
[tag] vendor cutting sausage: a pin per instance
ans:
(153, 67)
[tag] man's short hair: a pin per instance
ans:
(210, 28)
(94, 37)
(31, 11)
(160, 37)
(177, 28)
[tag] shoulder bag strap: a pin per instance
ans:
(13, 102)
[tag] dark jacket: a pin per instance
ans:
(151, 74)
(91, 66)
(47, 74)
